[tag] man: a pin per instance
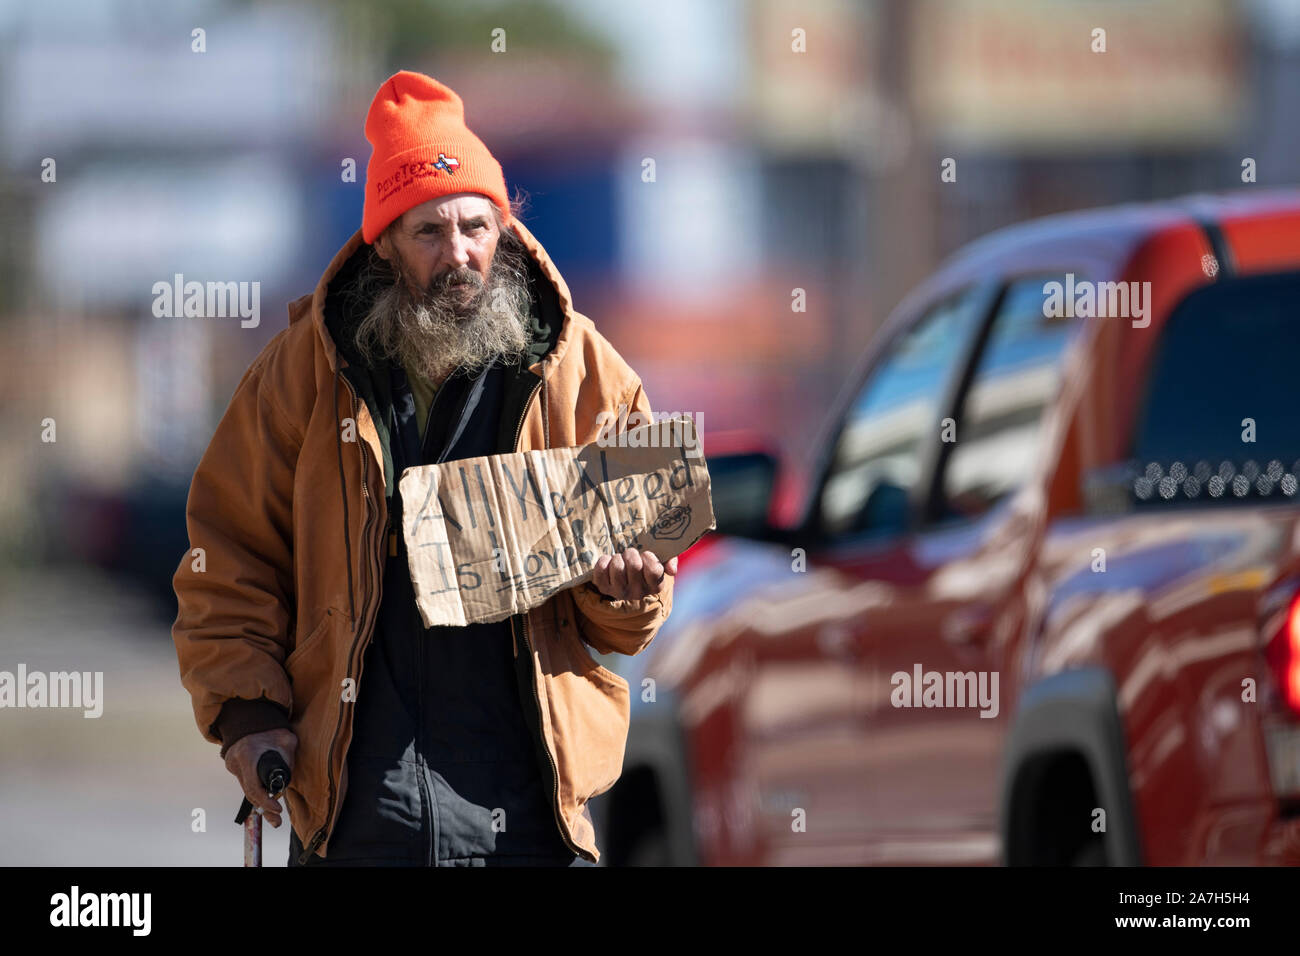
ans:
(441, 330)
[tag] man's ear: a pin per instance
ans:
(383, 244)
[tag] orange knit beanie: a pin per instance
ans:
(421, 149)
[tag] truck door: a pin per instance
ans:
(940, 691)
(865, 512)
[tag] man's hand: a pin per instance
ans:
(631, 575)
(241, 760)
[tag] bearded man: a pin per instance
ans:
(440, 331)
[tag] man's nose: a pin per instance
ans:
(459, 251)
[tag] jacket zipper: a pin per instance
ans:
(365, 497)
(425, 797)
(523, 626)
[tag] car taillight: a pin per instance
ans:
(1283, 653)
(1280, 629)
(1291, 682)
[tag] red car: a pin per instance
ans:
(1042, 601)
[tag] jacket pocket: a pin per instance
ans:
(322, 627)
(314, 670)
(603, 736)
(608, 675)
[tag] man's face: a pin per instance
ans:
(447, 290)
(444, 246)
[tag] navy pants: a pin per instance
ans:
(295, 848)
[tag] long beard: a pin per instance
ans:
(458, 321)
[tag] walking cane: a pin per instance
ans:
(273, 772)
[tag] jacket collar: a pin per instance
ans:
(551, 300)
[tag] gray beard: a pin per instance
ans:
(446, 327)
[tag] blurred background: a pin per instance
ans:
(127, 157)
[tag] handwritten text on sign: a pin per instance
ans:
(494, 536)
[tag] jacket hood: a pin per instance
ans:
(336, 316)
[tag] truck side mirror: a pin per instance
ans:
(742, 486)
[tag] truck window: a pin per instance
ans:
(1219, 418)
(1017, 375)
(877, 457)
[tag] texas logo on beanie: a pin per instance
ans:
(407, 173)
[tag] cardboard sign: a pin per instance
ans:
(490, 537)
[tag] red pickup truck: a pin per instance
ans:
(1040, 599)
